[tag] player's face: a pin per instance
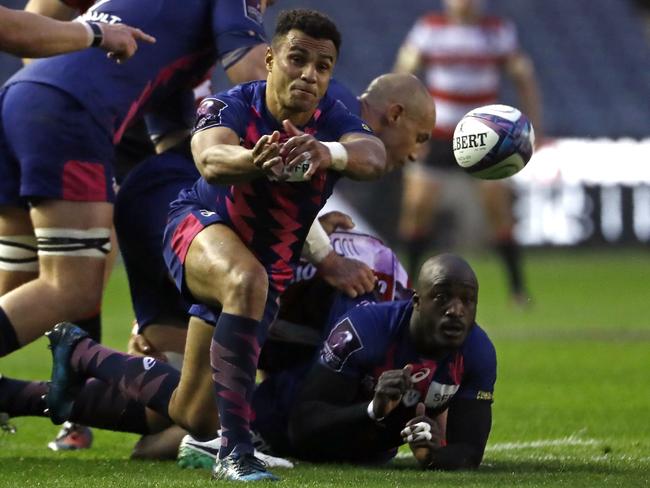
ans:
(404, 137)
(300, 70)
(445, 310)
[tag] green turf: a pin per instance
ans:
(571, 407)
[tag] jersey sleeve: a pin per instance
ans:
(340, 121)
(350, 346)
(481, 370)
(221, 110)
(237, 27)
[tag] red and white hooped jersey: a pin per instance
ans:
(461, 63)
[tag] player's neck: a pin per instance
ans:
(280, 112)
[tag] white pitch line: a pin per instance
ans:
(565, 441)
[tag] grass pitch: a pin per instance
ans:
(572, 403)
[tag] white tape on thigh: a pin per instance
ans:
(18, 253)
(94, 243)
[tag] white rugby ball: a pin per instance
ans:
(493, 142)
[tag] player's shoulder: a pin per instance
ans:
(496, 22)
(246, 92)
(478, 347)
(384, 318)
(343, 94)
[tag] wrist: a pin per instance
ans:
(317, 244)
(339, 155)
(372, 414)
(94, 32)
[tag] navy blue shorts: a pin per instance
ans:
(186, 219)
(51, 147)
(141, 211)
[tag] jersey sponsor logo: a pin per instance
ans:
(207, 213)
(104, 17)
(148, 362)
(209, 112)
(420, 375)
(484, 395)
(439, 394)
(344, 246)
(341, 343)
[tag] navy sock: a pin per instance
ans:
(104, 406)
(22, 398)
(143, 379)
(8, 338)
(511, 257)
(234, 353)
(92, 325)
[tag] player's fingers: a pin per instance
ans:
(270, 163)
(142, 36)
(313, 167)
(420, 409)
(291, 129)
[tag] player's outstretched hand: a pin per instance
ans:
(423, 435)
(304, 148)
(350, 276)
(266, 156)
(121, 41)
(389, 390)
(335, 220)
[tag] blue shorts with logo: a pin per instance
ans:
(187, 218)
(141, 211)
(51, 147)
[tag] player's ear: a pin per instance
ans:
(416, 300)
(394, 112)
(268, 58)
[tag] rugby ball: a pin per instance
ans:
(493, 142)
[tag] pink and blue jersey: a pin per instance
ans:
(271, 218)
(369, 340)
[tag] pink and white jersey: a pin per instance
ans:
(461, 63)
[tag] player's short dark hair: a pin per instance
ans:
(311, 22)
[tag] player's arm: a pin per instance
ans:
(221, 160)
(468, 428)
(351, 276)
(325, 420)
(409, 59)
(30, 35)
(520, 69)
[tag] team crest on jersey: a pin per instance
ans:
(253, 10)
(209, 112)
(341, 343)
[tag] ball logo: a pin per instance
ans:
(470, 141)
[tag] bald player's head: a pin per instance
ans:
(445, 304)
(401, 112)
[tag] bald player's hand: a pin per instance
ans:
(350, 276)
(335, 220)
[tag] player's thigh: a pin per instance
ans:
(78, 268)
(220, 269)
(18, 258)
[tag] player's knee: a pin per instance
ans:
(248, 284)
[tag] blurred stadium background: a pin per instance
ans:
(572, 402)
(591, 183)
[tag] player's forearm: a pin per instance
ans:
(366, 159)
(454, 457)
(226, 164)
(317, 427)
(29, 35)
